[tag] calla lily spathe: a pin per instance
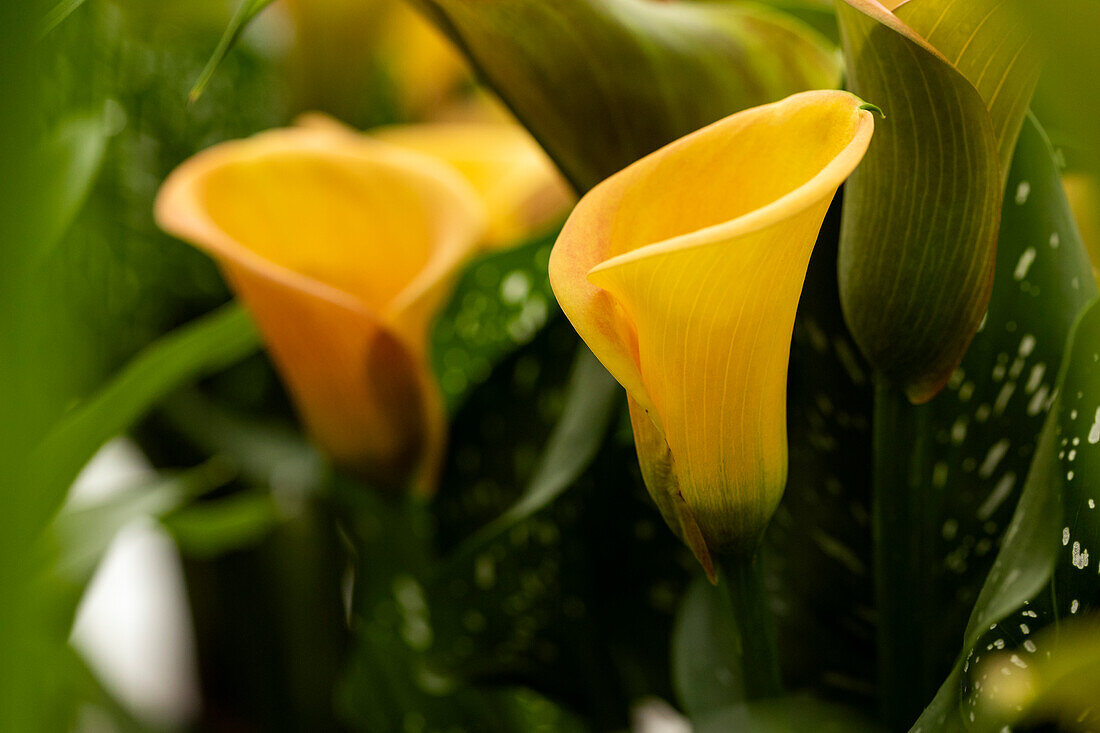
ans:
(682, 273)
(523, 193)
(342, 253)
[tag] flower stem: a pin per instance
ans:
(903, 576)
(743, 579)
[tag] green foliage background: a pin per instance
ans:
(539, 590)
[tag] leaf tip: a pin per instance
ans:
(873, 108)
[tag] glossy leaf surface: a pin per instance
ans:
(1044, 572)
(600, 84)
(965, 471)
(919, 239)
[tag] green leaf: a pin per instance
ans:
(1068, 99)
(85, 531)
(602, 83)
(952, 470)
(73, 155)
(59, 13)
(211, 528)
(785, 715)
(205, 346)
(590, 405)
(533, 604)
(1057, 690)
(991, 43)
(267, 452)
(819, 541)
(246, 11)
(705, 645)
(501, 301)
(919, 234)
(1044, 573)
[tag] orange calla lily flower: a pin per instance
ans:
(342, 253)
(682, 273)
(522, 191)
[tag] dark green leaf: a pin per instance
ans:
(819, 541)
(919, 235)
(501, 301)
(785, 715)
(555, 602)
(600, 84)
(705, 648)
(590, 405)
(1044, 572)
(957, 464)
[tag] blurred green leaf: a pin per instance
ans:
(246, 11)
(214, 527)
(1059, 688)
(536, 606)
(1044, 573)
(600, 84)
(785, 715)
(73, 154)
(500, 302)
(214, 342)
(265, 451)
(591, 403)
(705, 645)
(915, 272)
(84, 532)
(955, 466)
(59, 13)
(1068, 98)
(818, 14)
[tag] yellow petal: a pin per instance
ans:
(342, 253)
(683, 273)
(522, 190)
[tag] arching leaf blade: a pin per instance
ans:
(601, 84)
(918, 238)
(990, 43)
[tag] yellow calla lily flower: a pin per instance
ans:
(342, 253)
(682, 273)
(522, 191)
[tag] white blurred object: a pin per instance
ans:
(654, 715)
(133, 626)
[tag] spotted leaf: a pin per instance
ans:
(968, 451)
(1046, 571)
